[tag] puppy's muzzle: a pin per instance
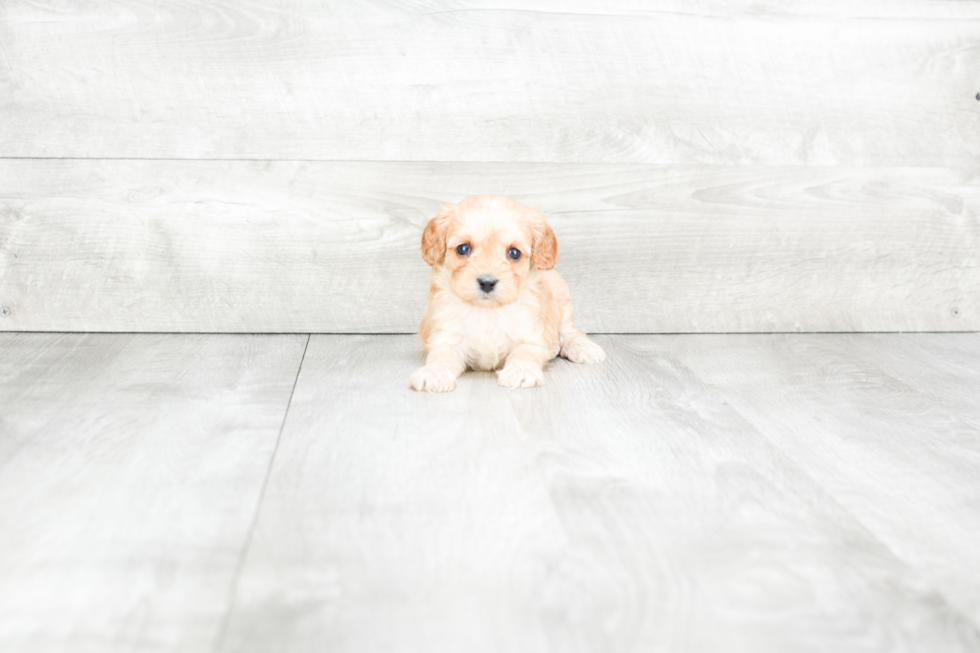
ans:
(487, 283)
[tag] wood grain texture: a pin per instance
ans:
(668, 82)
(130, 472)
(333, 246)
(622, 507)
(947, 367)
(888, 425)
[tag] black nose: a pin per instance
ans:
(487, 284)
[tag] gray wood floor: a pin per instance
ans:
(289, 493)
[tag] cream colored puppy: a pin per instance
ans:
(494, 301)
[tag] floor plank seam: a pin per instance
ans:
(243, 554)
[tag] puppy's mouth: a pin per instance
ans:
(485, 298)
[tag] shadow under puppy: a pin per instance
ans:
(494, 301)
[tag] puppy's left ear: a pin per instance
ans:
(434, 237)
(545, 245)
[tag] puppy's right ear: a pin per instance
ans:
(545, 245)
(434, 236)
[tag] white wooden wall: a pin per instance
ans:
(707, 165)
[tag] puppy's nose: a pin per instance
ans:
(487, 283)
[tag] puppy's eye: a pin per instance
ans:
(513, 253)
(463, 250)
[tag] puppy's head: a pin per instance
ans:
(489, 244)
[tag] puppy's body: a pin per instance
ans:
(494, 301)
(485, 336)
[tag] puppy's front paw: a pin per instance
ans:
(583, 350)
(432, 379)
(520, 374)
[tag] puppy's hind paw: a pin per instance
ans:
(520, 375)
(582, 350)
(432, 379)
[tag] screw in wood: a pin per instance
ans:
(955, 312)
(4, 311)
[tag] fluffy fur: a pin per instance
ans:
(524, 321)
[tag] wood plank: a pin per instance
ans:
(130, 471)
(899, 451)
(622, 507)
(946, 367)
(669, 82)
(333, 247)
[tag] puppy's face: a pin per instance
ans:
(489, 244)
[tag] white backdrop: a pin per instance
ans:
(707, 166)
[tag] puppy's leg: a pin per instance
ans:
(575, 345)
(442, 367)
(523, 368)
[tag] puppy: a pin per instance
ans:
(494, 301)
